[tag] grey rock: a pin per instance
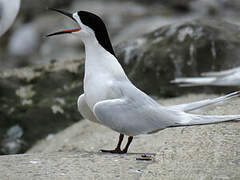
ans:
(15, 132)
(146, 25)
(12, 142)
(219, 8)
(179, 5)
(205, 152)
(74, 165)
(41, 100)
(12, 146)
(180, 50)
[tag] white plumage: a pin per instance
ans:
(8, 12)
(116, 103)
(229, 77)
(112, 100)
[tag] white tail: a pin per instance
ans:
(198, 81)
(221, 73)
(199, 104)
(195, 119)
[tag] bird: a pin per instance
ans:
(112, 100)
(230, 77)
(27, 33)
(8, 13)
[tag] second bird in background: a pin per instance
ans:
(229, 77)
(8, 12)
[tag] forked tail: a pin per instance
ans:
(199, 104)
(194, 119)
(197, 81)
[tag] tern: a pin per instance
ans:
(112, 100)
(230, 77)
(8, 13)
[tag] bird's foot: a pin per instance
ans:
(118, 150)
(115, 151)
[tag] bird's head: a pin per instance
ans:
(89, 26)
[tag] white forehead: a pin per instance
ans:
(82, 26)
(76, 17)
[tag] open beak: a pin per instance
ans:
(63, 31)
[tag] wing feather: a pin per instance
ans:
(129, 117)
(84, 109)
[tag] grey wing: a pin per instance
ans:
(85, 110)
(130, 117)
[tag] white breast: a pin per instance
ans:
(102, 73)
(96, 89)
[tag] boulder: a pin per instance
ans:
(197, 152)
(180, 50)
(38, 100)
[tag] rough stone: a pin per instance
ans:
(199, 152)
(40, 100)
(180, 50)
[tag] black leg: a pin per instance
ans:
(121, 136)
(118, 148)
(130, 138)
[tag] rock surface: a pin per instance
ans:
(199, 152)
(40, 100)
(180, 50)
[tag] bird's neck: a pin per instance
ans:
(94, 51)
(99, 60)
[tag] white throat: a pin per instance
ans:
(98, 60)
(101, 70)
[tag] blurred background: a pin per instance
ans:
(155, 41)
(25, 43)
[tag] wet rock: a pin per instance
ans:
(180, 50)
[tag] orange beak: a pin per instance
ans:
(64, 31)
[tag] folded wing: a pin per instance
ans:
(131, 118)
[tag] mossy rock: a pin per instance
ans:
(41, 100)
